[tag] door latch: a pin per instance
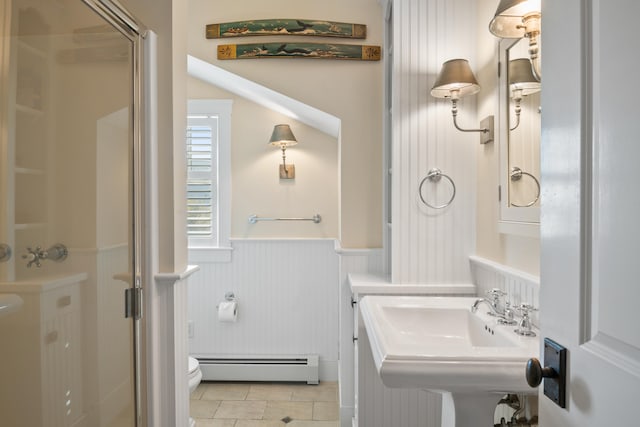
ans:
(554, 372)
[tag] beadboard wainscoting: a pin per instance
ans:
(431, 245)
(352, 261)
(170, 314)
(287, 293)
(520, 287)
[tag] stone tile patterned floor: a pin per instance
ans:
(223, 404)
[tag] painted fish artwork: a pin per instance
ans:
(299, 50)
(271, 27)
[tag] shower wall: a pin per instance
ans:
(66, 173)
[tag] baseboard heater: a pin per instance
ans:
(287, 368)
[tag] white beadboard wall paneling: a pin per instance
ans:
(431, 245)
(171, 300)
(352, 261)
(520, 287)
(287, 293)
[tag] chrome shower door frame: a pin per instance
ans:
(117, 16)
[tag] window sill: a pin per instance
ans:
(210, 255)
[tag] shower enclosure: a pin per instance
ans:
(69, 161)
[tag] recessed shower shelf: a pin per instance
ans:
(28, 171)
(29, 226)
(32, 49)
(29, 110)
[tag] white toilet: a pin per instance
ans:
(195, 375)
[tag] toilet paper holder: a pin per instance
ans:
(228, 296)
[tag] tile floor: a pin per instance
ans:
(222, 404)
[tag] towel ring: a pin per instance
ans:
(434, 175)
(516, 175)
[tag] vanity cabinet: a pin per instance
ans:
(41, 354)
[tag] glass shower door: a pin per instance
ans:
(67, 353)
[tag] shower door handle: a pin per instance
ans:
(5, 252)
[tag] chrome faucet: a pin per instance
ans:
(57, 252)
(479, 301)
(497, 308)
(508, 317)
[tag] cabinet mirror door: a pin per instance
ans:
(519, 136)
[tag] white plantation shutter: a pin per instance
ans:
(202, 141)
(208, 149)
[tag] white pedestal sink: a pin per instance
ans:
(438, 344)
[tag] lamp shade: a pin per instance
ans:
(455, 75)
(507, 22)
(282, 136)
(521, 76)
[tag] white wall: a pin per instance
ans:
(113, 176)
(349, 90)
(168, 19)
(256, 186)
(165, 352)
(429, 245)
(515, 251)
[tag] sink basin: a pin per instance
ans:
(437, 343)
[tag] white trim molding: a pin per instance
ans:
(264, 96)
(170, 279)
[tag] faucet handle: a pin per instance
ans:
(507, 318)
(524, 326)
(5, 252)
(526, 309)
(496, 293)
(33, 256)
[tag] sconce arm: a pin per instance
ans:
(454, 113)
(517, 122)
(284, 156)
(518, 110)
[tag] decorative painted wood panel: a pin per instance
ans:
(430, 245)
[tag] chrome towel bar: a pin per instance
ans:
(255, 218)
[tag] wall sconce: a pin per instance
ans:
(455, 81)
(282, 137)
(522, 82)
(515, 19)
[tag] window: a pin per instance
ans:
(208, 173)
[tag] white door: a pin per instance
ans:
(590, 264)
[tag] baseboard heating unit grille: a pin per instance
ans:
(288, 368)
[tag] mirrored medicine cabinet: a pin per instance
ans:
(519, 138)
